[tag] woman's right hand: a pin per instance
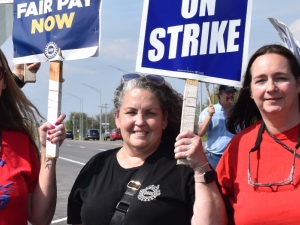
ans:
(189, 146)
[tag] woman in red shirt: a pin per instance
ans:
(260, 169)
(27, 177)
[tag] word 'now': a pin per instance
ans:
(50, 22)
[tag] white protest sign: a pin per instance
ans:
(286, 36)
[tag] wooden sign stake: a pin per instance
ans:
(188, 111)
(207, 92)
(54, 102)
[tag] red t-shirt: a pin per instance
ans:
(18, 176)
(271, 163)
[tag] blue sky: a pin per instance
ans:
(119, 41)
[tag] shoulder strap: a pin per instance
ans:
(132, 187)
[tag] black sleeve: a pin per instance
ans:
(18, 81)
(74, 200)
(81, 183)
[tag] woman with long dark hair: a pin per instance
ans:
(260, 169)
(27, 176)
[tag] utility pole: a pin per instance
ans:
(81, 115)
(73, 120)
(86, 122)
(99, 91)
(75, 129)
(105, 106)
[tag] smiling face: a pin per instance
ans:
(141, 120)
(273, 87)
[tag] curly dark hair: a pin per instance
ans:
(245, 112)
(170, 101)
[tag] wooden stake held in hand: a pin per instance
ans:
(188, 111)
(54, 102)
(207, 92)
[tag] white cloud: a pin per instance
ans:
(295, 29)
(123, 48)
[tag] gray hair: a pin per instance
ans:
(169, 99)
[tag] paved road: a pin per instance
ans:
(73, 156)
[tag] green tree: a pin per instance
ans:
(89, 122)
(73, 123)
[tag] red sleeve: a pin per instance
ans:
(35, 169)
(226, 171)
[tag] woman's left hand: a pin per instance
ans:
(56, 132)
(189, 146)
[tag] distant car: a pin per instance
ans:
(92, 134)
(107, 135)
(70, 134)
(115, 135)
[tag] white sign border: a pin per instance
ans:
(186, 75)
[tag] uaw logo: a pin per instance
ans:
(4, 199)
(149, 193)
(51, 50)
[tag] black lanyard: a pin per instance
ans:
(259, 136)
(134, 185)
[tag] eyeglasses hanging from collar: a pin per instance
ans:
(290, 178)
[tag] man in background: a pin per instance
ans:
(212, 120)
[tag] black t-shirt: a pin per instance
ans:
(165, 197)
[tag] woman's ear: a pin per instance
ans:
(117, 121)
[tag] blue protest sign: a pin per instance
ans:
(41, 27)
(205, 40)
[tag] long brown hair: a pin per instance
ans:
(16, 111)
